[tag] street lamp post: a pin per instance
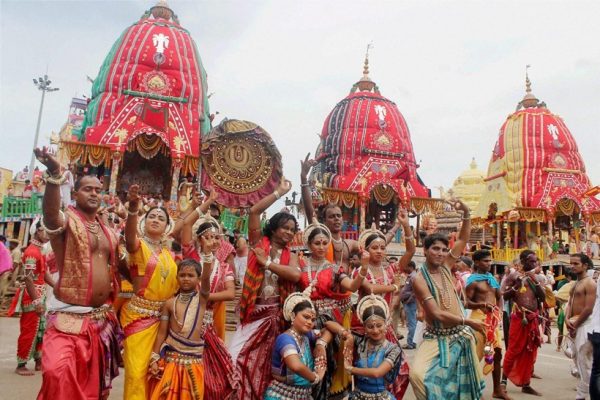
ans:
(42, 84)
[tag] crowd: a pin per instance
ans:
(320, 325)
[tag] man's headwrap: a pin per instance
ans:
(362, 239)
(293, 300)
(314, 225)
(372, 301)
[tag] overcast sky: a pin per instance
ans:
(454, 68)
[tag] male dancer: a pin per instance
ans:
(525, 338)
(484, 298)
(82, 342)
(578, 321)
(29, 301)
(340, 248)
(445, 365)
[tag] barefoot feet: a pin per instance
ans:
(530, 390)
(23, 371)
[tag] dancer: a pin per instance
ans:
(330, 289)
(271, 275)
(578, 321)
(525, 338)
(220, 379)
(380, 280)
(153, 275)
(176, 359)
(294, 370)
(376, 360)
(331, 215)
(82, 343)
(29, 300)
(447, 353)
(484, 298)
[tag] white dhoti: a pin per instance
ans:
(583, 358)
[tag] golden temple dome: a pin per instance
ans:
(469, 185)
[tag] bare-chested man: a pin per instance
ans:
(331, 216)
(82, 341)
(525, 338)
(445, 365)
(578, 321)
(484, 298)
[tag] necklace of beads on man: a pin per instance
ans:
(37, 243)
(444, 291)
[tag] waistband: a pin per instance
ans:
(182, 359)
(455, 331)
(140, 305)
(288, 391)
(360, 395)
(99, 313)
(331, 304)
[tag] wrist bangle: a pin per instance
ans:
(304, 184)
(396, 288)
(268, 264)
(463, 319)
(154, 357)
(133, 213)
(321, 342)
(361, 274)
(452, 255)
(466, 217)
(55, 179)
(276, 194)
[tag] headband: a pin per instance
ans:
(372, 301)
(293, 300)
(362, 239)
(203, 219)
(314, 225)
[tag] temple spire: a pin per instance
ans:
(365, 84)
(529, 100)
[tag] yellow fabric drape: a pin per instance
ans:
(566, 206)
(420, 205)
(190, 166)
(138, 346)
(147, 146)
(383, 195)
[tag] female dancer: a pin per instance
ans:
(376, 360)
(154, 278)
(330, 289)
(271, 275)
(294, 370)
(176, 360)
(380, 281)
(220, 378)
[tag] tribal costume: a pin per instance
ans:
(287, 385)
(525, 338)
(32, 325)
(260, 322)
(182, 360)
(82, 344)
(140, 316)
(375, 388)
(220, 376)
(332, 303)
(446, 365)
(401, 382)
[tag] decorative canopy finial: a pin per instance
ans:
(365, 84)
(473, 164)
(162, 10)
(529, 100)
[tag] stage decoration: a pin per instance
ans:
(339, 197)
(240, 161)
(536, 165)
(420, 205)
(148, 146)
(94, 155)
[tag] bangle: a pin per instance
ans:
(466, 218)
(133, 213)
(427, 298)
(276, 194)
(304, 184)
(452, 255)
(396, 288)
(463, 319)
(200, 213)
(321, 342)
(360, 273)
(350, 369)
(55, 179)
(268, 263)
(58, 230)
(207, 258)
(154, 357)
(316, 380)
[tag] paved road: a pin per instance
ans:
(556, 382)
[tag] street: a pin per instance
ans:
(553, 367)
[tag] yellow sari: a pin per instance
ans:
(140, 316)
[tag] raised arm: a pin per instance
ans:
(51, 202)
(408, 239)
(463, 235)
(305, 166)
(254, 233)
(163, 329)
(290, 272)
(132, 242)
(207, 259)
(191, 218)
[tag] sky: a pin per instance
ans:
(456, 69)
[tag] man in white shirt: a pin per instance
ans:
(240, 260)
